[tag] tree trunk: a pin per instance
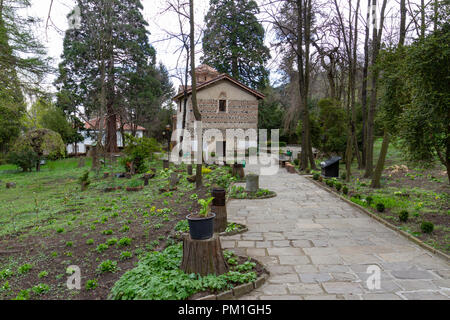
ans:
(380, 164)
(376, 181)
(111, 131)
(364, 85)
(422, 19)
(203, 257)
(377, 34)
(197, 114)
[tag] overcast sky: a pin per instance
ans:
(160, 21)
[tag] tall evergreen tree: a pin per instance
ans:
(233, 42)
(108, 64)
(22, 64)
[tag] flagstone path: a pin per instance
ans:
(316, 246)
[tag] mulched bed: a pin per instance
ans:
(38, 250)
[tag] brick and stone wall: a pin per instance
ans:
(240, 114)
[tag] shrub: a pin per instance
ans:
(41, 289)
(36, 145)
(380, 207)
(91, 284)
(124, 242)
(90, 242)
(427, 227)
(84, 180)
(369, 200)
(297, 162)
(25, 159)
(137, 151)
(23, 295)
(101, 247)
(125, 255)
(338, 186)
(330, 183)
(343, 176)
(111, 241)
(316, 176)
(107, 266)
(345, 190)
(43, 274)
(403, 216)
(24, 268)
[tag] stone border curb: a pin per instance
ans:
(239, 291)
(234, 232)
(384, 222)
(273, 195)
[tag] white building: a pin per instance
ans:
(90, 132)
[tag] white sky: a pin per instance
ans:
(160, 21)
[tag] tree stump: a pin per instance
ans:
(203, 256)
(81, 162)
(238, 170)
(10, 185)
(221, 220)
(189, 169)
(252, 184)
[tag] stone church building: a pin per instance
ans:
(223, 102)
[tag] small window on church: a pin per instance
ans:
(222, 105)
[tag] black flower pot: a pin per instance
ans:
(201, 228)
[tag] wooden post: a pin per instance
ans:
(203, 257)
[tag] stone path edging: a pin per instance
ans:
(384, 222)
(273, 195)
(238, 291)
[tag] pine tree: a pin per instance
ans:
(23, 65)
(233, 42)
(108, 67)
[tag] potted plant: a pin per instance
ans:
(201, 224)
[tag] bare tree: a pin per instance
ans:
(293, 22)
(197, 114)
(376, 181)
(376, 44)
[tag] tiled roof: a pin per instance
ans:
(93, 125)
(220, 77)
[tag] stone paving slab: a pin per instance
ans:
(316, 246)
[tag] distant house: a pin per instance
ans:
(223, 102)
(90, 133)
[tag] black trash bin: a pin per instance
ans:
(330, 168)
